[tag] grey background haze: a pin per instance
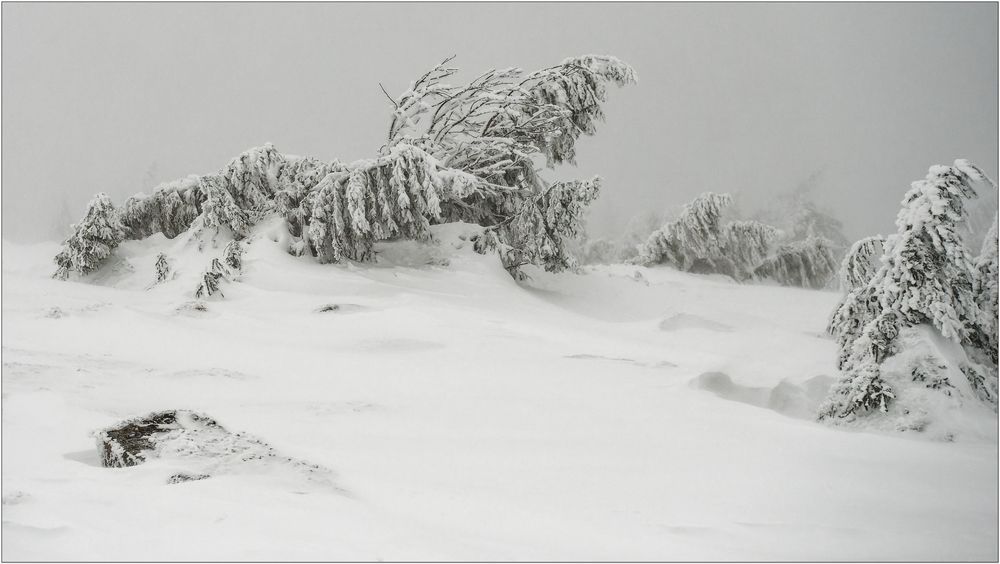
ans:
(746, 98)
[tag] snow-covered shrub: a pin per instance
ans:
(926, 282)
(453, 153)
(93, 239)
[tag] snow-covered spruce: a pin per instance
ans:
(211, 280)
(535, 232)
(986, 294)
(453, 153)
(702, 241)
(232, 256)
(809, 264)
(162, 267)
(922, 297)
(92, 241)
(861, 262)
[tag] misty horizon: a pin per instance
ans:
(752, 99)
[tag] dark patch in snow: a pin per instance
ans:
(129, 443)
(342, 308)
(204, 446)
(193, 308)
(55, 313)
(683, 321)
(182, 477)
(15, 497)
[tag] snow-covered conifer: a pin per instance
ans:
(536, 232)
(701, 241)
(861, 262)
(926, 277)
(746, 244)
(162, 267)
(986, 294)
(232, 256)
(209, 285)
(807, 264)
(454, 153)
(694, 235)
(93, 239)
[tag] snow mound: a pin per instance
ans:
(683, 321)
(947, 402)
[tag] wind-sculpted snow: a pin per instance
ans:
(467, 416)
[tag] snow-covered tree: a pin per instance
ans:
(926, 278)
(694, 235)
(462, 152)
(747, 243)
(701, 241)
(232, 256)
(170, 209)
(861, 262)
(211, 280)
(536, 232)
(985, 288)
(799, 217)
(162, 267)
(808, 264)
(93, 239)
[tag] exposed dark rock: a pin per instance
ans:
(195, 447)
(130, 443)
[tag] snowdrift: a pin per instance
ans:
(624, 413)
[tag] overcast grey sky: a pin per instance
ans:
(748, 98)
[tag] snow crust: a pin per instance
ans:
(626, 413)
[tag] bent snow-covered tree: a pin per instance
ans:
(702, 241)
(463, 152)
(916, 323)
